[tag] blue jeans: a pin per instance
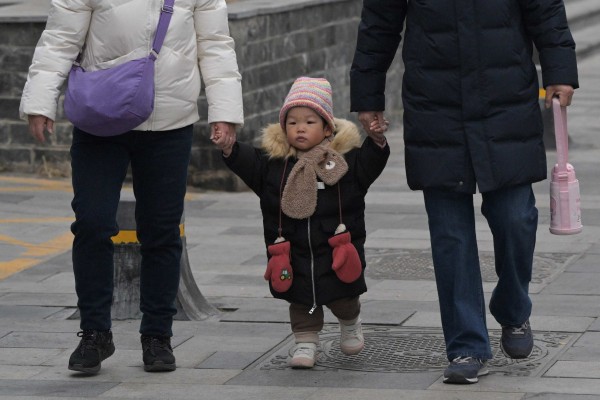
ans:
(512, 217)
(159, 164)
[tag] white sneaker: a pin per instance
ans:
(305, 355)
(352, 340)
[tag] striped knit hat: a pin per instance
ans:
(314, 93)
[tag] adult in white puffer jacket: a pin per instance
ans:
(108, 33)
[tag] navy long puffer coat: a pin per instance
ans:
(470, 87)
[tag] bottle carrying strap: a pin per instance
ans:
(561, 134)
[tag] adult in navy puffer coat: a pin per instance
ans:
(471, 121)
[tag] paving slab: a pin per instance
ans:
(10, 372)
(581, 353)
(136, 374)
(229, 360)
(395, 394)
(209, 392)
(55, 389)
(341, 379)
(32, 299)
(503, 384)
(575, 369)
(566, 305)
(582, 283)
(17, 356)
(553, 396)
(10, 312)
(596, 325)
(589, 263)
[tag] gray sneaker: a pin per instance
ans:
(465, 370)
(517, 341)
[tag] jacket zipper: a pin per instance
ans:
(312, 271)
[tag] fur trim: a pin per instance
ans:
(275, 144)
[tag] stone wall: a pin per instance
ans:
(276, 41)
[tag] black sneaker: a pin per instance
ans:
(94, 347)
(158, 353)
(517, 341)
(465, 370)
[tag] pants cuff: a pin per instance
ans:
(306, 337)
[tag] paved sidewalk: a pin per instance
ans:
(241, 353)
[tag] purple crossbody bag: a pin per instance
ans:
(113, 101)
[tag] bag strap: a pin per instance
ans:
(561, 134)
(163, 25)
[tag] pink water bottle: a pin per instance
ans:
(565, 201)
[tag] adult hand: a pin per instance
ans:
(38, 124)
(223, 136)
(563, 92)
(375, 124)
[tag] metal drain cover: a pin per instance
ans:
(418, 265)
(397, 349)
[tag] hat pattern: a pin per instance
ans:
(314, 93)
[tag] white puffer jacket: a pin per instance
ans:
(112, 32)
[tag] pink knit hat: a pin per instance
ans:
(314, 93)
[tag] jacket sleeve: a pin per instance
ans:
(248, 163)
(546, 24)
(370, 162)
(60, 43)
(218, 62)
(378, 39)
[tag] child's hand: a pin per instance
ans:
(375, 124)
(378, 127)
(379, 124)
(222, 135)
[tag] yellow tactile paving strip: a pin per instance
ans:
(32, 254)
(130, 236)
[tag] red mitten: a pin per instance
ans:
(346, 262)
(279, 269)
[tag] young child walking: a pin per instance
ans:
(312, 175)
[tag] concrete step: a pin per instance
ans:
(584, 22)
(582, 13)
(587, 40)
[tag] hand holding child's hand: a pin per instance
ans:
(222, 135)
(375, 124)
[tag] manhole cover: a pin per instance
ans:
(396, 349)
(417, 265)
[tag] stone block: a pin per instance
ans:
(9, 106)
(4, 135)
(19, 133)
(11, 83)
(21, 34)
(253, 28)
(16, 155)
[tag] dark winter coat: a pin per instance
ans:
(262, 170)
(470, 87)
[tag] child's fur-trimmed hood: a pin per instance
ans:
(275, 144)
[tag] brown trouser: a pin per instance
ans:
(306, 327)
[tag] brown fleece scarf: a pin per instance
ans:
(299, 198)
